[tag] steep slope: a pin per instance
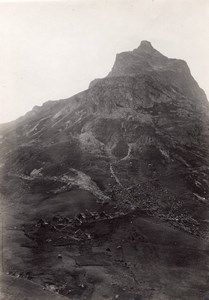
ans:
(135, 141)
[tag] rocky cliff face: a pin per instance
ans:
(136, 140)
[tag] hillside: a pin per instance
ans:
(105, 194)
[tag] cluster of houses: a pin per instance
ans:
(58, 222)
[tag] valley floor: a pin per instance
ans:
(110, 255)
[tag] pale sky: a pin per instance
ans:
(51, 50)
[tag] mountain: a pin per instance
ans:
(125, 164)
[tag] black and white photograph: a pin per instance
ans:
(104, 150)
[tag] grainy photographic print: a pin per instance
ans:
(104, 150)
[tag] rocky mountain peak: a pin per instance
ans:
(146, 61)
(140, 60)
(145, 46)
(146, 51)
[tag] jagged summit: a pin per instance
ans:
(147, 61)
(145, 46)
(142, 59)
